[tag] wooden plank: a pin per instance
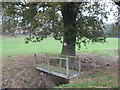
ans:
(60, 74)
(72, 75)
(52, 57)
(52, 72)
(42, 69)
(57, 58)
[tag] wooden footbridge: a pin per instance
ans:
(58, 65)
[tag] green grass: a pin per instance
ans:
(104, 77)
(17, 46)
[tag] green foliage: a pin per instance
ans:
(112, 29)
(45, 16)
(115, 29)
(11, 14)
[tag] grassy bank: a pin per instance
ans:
(106, 77)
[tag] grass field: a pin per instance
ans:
(17, 46)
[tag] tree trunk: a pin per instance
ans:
(69, 48)
(69, 13)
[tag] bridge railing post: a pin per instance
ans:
(67, 66)
(48, 63)
(60, 62)
(79, 65)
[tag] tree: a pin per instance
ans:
(10, 16)
(116, 25)
(78, 22)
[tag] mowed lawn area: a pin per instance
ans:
(17, 46)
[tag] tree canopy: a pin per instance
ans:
(70, 22)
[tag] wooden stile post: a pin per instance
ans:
(67, 67)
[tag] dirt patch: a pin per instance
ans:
(18, 71)
(92, 61)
